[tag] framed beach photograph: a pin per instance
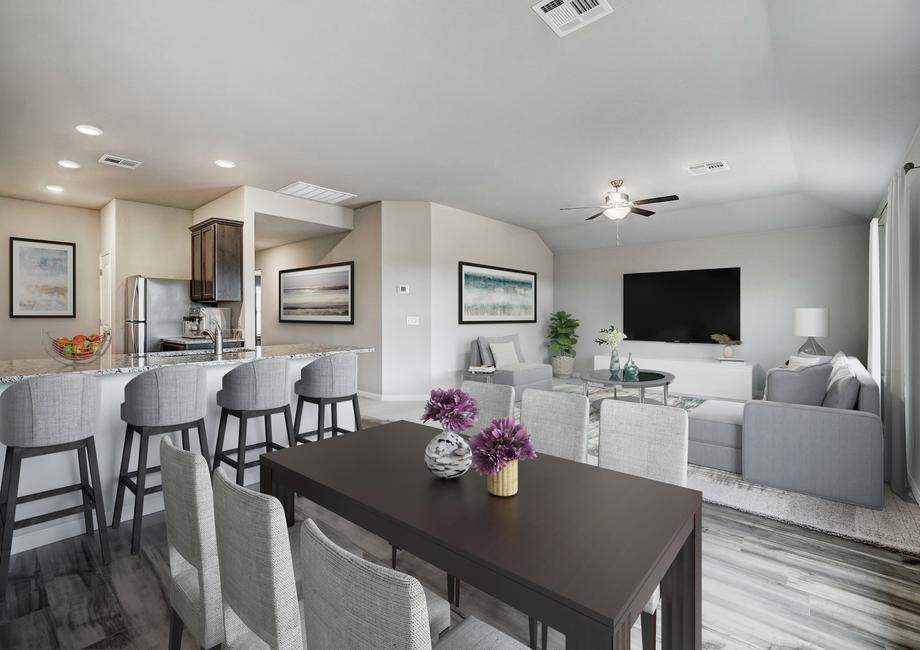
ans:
(492, 294)
(317, 294)
(43, 278)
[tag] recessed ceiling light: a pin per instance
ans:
(226, 164)
(54, 189)
(88, 129)
(69, 164)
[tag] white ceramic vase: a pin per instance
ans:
(448, 455)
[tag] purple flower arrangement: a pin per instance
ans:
(500, 443)
(455, 409)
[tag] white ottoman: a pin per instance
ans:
(715, 435)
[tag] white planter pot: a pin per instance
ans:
(728, 352)
(563, 367)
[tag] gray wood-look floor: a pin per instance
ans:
(765, 585)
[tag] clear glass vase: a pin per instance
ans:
(614, 364)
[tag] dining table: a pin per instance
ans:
(580, 548)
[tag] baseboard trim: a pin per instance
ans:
(369, 395)
(421, 397)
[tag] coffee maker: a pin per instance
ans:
(193, 323)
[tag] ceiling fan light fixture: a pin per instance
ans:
(616, 213)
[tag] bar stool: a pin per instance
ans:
(163, 400)
(255, 389)
(41, 416)
(328, 380)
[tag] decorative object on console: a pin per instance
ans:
(728, 344)
(43, 278)
(562, 339)
(811, 322)
(611, 337)
(492, 294)
(448, 455)
(317, 294)
(496, 452)
(630, 370)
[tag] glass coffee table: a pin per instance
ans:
(647, 379)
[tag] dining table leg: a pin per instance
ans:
(268, 485)
(682, 594)
(665, 394)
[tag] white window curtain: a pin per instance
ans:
(896, 390)
(874, 355)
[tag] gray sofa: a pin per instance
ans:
(792, 440)
(519, 375)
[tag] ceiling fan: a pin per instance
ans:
(617, 204)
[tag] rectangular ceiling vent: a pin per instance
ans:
(119, 161)
(708, 168)
(567, 16)
(304, 190)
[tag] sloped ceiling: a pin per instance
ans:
(474, 104)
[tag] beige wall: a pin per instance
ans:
(20, 337)
(364, 247)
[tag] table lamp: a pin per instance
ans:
(811, 322)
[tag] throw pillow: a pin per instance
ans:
(843, 393)
(503, 354)
(799, 386)
(802, 362)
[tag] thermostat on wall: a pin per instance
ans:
(402, 288)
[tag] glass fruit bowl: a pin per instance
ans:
(81, 348)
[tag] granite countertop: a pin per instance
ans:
(114, 364)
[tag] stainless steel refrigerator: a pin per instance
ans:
(154, 309)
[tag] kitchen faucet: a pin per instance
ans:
(217, 336)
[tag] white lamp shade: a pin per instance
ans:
(811, 321)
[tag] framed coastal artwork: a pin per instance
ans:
(43, 278)
(317, 294)
(492, 294)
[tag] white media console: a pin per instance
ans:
(703, 377)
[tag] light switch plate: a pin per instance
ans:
(402, 289)
(412, 320)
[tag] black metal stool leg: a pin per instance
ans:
(393, 552)
(203, 442)
(221, 431)
(175, 630)
(334, 408)
(5, 486)
(98, 499)
(11, 488)
(186, 445)
(543, 635)
(84, 490)
(289, 426)
(268, 433)
(241, 453)
(533, 633)
(138, 522)
(297, 418)
(357, 410)
(320, 420)
(123, 474)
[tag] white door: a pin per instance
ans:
(105, 290)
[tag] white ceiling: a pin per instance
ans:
(271, 230)
(474, 104)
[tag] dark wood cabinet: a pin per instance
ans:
(217, 261)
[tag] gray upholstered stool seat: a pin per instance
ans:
(328, 381)
(48, 415)
(157, 401)
(255, 389)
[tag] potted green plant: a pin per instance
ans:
(562, 340)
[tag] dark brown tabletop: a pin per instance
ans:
(589, 541)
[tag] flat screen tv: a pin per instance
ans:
(682, 306)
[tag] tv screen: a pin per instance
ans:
(682, 306)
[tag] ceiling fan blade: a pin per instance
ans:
(657, 199)
(641, 212)
(594, 216)
(584, 207)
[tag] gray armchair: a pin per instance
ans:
(518, 375)
(793, 442)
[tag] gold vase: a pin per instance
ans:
(505, 483)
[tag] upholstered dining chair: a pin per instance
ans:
(256, 569)
(194, 593)
(557, 423)
(495, 401)
(645, 440)
(350, 602)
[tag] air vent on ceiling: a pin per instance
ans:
(567, 16)
(304, 190)
(708, 168)
(119, 161)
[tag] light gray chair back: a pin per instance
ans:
(557, 423)
(495, 401)
(49, 410)
(349, 602)
(165, 396)
(644, 440)
(256, 568)
(191, 538)
(255, 386)
(335, 375)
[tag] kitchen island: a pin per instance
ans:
(114, 372)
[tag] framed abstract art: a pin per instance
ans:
(317, 294)
(43, 278)
(493, 294)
